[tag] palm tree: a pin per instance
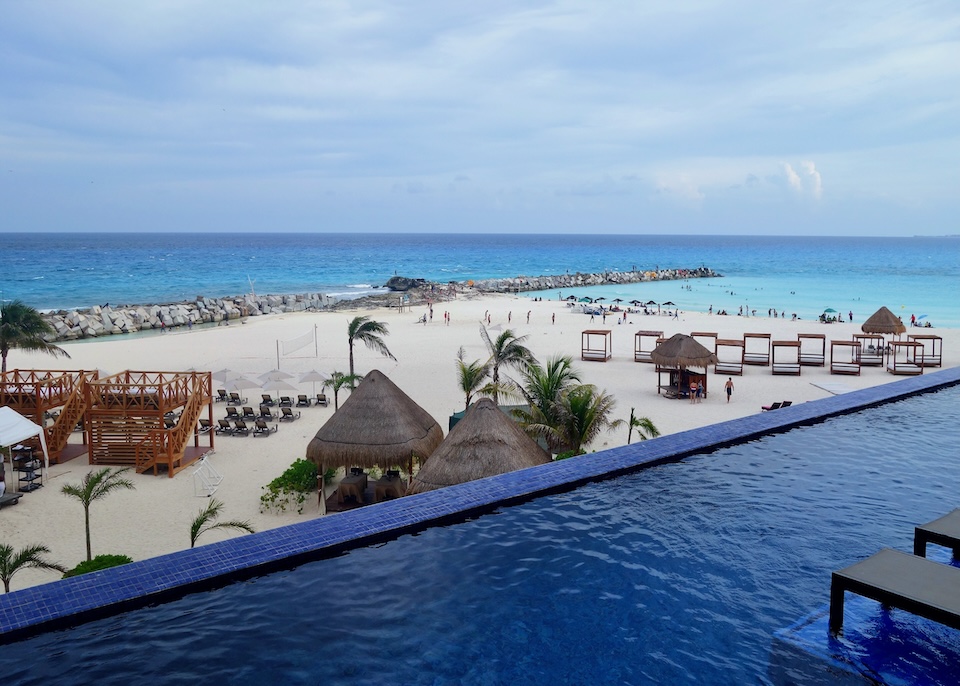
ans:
(96, 485)
(644, 426)
(507, 350)
(369, 332)
(583, 412)
(470, 376)
(542, 389)
(207, 520)
(337, 381)
(22, 327)
(30, 557)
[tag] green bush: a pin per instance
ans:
(98, 563)
(291, 487)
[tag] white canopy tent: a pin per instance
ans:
(15, 428)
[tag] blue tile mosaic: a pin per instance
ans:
(70, 601)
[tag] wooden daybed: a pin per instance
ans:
(906, 358)
(845, 357)
(785, 358)
(640, 353)
(932, 348)
(759, 353)
(597, 345)
(872, 346)
(813, 349)
(709, 339)
(733, 364)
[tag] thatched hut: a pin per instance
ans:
(679, 353)
(484, 443)
(883, 321)
(377, 426)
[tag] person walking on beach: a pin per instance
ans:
(528, 316)
(728, 387)
(553, 318)
(700, 391)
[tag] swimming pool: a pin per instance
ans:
(680, 573)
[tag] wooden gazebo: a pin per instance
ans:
(52, 399)
(932, 348)
(596, 345)
(759, 352)
(729, 363)
(813, 349)
(676, 356)
(845, 357)
(641, 353)
(785, 358)
(128, 413)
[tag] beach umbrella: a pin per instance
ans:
(669, 304)
(682, 351)
(484, 443)
(635, 303)
(221, 375)
(275, 374)
(378, 425)
(599, 299)
(651, 302)
(585, 300)
(278, 385)
(571, 297)
(313, 376)
(829, 310)
(618, 300)
(883, 321)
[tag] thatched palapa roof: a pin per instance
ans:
(378, 425)
(883, 321)
(682, 351)
(484, 443)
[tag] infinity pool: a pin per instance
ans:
(676, 574)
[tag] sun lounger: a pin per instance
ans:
(909, 582)
(261, 428)
(232, 413)
(285, 401)
(240, 428)
(248, 413)
(774, 406)
(267, 399)
(944, 531)
(303, 401)
(786, 403)
(235, 399)
(288, 415)
(205, 426)
(223, 427)
(222, 396)
(266, 414)
(322, 399)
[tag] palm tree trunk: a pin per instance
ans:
(86, 521)
(351, 358)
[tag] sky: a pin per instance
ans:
(799, 117)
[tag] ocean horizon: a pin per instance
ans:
(795, 275)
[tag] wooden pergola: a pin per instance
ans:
(845, 357)
(906, 358)
(641, 353)
(596, 345)
(932, 355)
(732, 365)
(53, 399)
(759, 354)
(872, 346)
(786, 358)
(813, 349)
(126, 419)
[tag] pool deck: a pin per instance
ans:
(72, 601)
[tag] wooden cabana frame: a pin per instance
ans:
(932, 348)
(729, 364)
(708, 339)
(596, 345)
(813, 349)
(52, 399)
(906, 358)
(678, 383)
(759, 353)
(845, 357)
(126, 419)
(872, 346)
(785, 358)
(640, 352)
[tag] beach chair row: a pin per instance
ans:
(236, 400)
(266, 413)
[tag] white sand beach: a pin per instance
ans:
(155, 518)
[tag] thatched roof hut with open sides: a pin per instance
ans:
(883, 321)
(681, 352)
(377, 426)
(484, 443)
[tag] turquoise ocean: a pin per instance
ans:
(804, 275)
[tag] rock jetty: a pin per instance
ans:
(106, 321)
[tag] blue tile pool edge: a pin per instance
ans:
(68, 602)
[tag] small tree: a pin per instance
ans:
(644, 426)
(506, 350)
(207, 520)
(23, 327)
(583, 412)
(369, 332)
(30, 557)
(340, 380)
(470, 376)
(96, 485)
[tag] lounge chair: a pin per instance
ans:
(235, 399)
(266, 414)
(261, 428)
(205, 426)
(322, 399)
(248, 413)
(267, 399)
(169, 422)
(240, 428)
(222, 396)
(288, 415)
(286, 401)
(223, 427)
(769, 408)
(232, 413)
(786, 403)
(303, 401)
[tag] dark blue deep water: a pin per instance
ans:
(678, 574)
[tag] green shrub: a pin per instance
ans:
(98, 563)
(291, 487)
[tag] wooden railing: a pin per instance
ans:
(169, 445)
(67, 421)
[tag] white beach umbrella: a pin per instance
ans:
(222, 375)
(242, 383)
(278, 385)
(274, 375)
(313, 376)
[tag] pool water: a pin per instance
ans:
(676, 574)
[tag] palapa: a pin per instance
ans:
(883, 321)
(377, 426)
(484, 443)
(682, 351)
